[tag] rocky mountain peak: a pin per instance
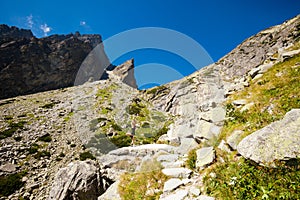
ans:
(7, 33)
(125, 72)
(29, 64)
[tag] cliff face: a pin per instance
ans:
(30, 65)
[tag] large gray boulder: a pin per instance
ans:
(205, 156)
(79, 180)
(278, 141)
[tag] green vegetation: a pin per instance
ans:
(60, 156)
(33, 148)
(162, 131)
(18, 138)
(86, 155)
(136, 108)
(276, 93)
(8, 117)
(41, 154)
(12, 128)
(72, 145)
(134, 186)
(247, 180)
(68, 117)
(45, 138)
(48, 105)
(273, 95)
(156, 89)
(104, 95)
(10, 183)
(191, 161)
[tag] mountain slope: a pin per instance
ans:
(187, 123)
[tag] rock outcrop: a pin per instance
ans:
(276, 142)
(255, 50)
(29, 64)
(125, 72)
(79, 180)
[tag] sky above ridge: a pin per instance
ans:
(186, 35)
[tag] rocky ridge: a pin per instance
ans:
(29, 64)
(194, 106)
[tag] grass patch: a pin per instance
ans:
(10, 183)
(8, 117)
(156, 90)
(68, 117)
(48, 105)
(103, 95)
(276, 93)
(41, 154)
(45, 138)
(18, 138)
(72, 145)
(33, 148)
(121, 140)
(247, 180)
(12, 128)
(86, 155)
(192, 158)
(146, 184)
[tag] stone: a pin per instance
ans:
(163, 139)
(79, 180)
(178, 195)
(239, 102)
(278, 141)
(111, 193)
(194, 191)
(265, 67)
(289, 54)
(177, 164)
(234, 138)
(205, 156)
(168, 158)
(9, 167)
(204, 197)
(204, 130)
(253, 72)
(186, 145)
(218, 114)
(223, 146)
(215, 115)
(177, 172)
(258, 76)
(172, 184)
(247, 107)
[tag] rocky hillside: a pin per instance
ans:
(29, 64)
(228, 131)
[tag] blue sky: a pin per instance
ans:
(218, 26)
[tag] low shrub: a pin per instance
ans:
(86, 155)
(45, 138)
(10, 183)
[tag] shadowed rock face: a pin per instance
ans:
(29, 64)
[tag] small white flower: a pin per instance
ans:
(232, 180)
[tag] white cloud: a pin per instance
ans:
(45, 28)
(29, 20)
(82, 23)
